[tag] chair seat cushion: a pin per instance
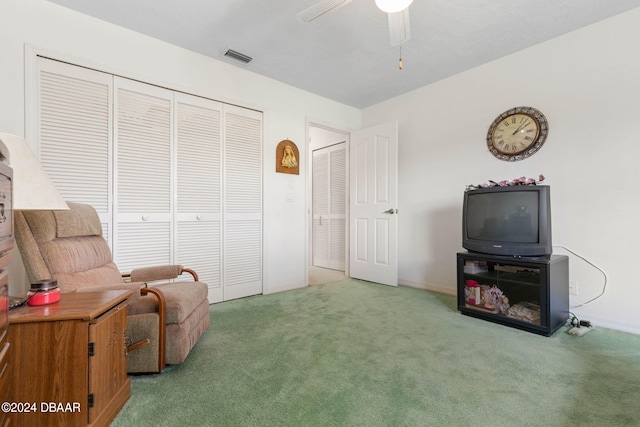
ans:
(185, 335)
(182, 298)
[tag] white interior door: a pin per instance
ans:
(373, 219)
(329, 188)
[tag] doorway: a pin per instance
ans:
(328, 245)
(371, 212)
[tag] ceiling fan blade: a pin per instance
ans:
(399, 30)
(320, 9)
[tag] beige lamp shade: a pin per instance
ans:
(32, 187)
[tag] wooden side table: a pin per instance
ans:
(4, 341)
(68, 360)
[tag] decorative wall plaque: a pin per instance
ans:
(287, 158)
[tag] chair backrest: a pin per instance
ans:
(67, 246)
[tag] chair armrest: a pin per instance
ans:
(162, 309)
(162, 272)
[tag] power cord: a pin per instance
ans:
(578, 327)
(577, 323)
(604, 285)
(574, 321)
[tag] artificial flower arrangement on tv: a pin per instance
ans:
(517, 181)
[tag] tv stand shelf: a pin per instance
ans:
(528, 293)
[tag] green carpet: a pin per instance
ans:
(353, 353)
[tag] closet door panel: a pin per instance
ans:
(338, 207)
(199, 189)
(329, 206)
(143, 244)
(243, 258)
(143, 185)
(242, 201)
(73, 123)
(320, 204)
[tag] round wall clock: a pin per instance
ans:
(517, 133)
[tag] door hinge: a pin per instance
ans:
(92, 349)
(91, 400)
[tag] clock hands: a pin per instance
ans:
(522, 126)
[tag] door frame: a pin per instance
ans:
(311, 146)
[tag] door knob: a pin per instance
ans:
(391, 211)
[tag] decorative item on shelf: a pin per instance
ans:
(472, 292)
(525, 311)
(517, 133)
(495, 299)
(485, 298)
(287, 156)
(474, 267)
(517, 181)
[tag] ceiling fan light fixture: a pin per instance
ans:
(392, 6)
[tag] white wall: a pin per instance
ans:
(586, 83)
(91, 42)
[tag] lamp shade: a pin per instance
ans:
(32, 187)
(392, 6)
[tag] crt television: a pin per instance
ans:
(511, 220)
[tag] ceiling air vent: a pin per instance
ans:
(238, 56)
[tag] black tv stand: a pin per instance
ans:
(512, 257)
(528, 293)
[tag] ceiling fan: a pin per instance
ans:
(397, 10)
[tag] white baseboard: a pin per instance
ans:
(267, 291)
(435, 288)
(606, 323)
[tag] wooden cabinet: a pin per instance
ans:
(4, 346)
(68, 360)
(6, 243)
(531, 294)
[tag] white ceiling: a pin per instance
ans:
(345, 55)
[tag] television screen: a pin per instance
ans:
(510, 217)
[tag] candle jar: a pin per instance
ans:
(43, 292)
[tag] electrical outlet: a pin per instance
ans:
(573, 288)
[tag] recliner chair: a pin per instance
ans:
(164, 320)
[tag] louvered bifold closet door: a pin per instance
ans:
(320, 208)
(143, 185)
(329, 206)
(242, 202)
(73, 122)
(199, 189)
(338, 207)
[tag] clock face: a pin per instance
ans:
(517, 133)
